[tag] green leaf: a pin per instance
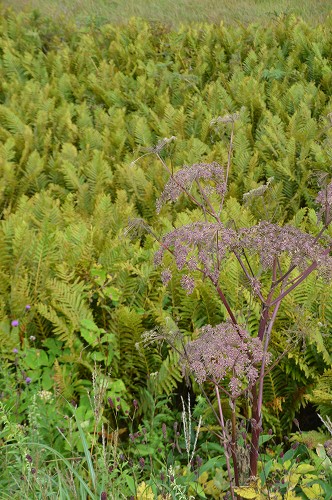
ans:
(101, 273)
(131, 483)
(86, 450)
(117, 386)
(212, 463)
(98, 356)
(113, 293)
(198, 489)
(53, 345)
(36, 358)
(304, 468)
(313, 492)
(145, 450)
(90, 337)
(264, 438)
(90, 331)
(89, 324)
(288, 456)
(326, 461)
(264, 474)
(47, 380)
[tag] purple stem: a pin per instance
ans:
(301, 278)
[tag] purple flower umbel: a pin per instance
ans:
(188, 283)
(270, 241)
(224, 351)
(183, 180)
(166, 276)
(15, 322)
(208, 239)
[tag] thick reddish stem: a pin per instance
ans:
(255, 432)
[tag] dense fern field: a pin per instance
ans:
(78, 107)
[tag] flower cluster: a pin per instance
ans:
(270, 241)
(203, 245)
(211, 241)
(224, 351)
(184, 178)
(188, 283)
(166, 276)
(45, 395)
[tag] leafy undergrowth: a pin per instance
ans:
(105, 450)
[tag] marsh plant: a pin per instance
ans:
(275, 259)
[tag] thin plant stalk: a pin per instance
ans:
(221, 417)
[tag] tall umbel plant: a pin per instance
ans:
(275, 259)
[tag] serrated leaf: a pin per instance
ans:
(247, 492)
(312, 216)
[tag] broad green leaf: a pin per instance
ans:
(266, 471)
(313, 492)
(98, 356)
(89, 324)
(304, 468)
(36, 358)
(113, 293)
(101, 273)
(131, 483)
(264, 438)
(89, 336)
(47, 380)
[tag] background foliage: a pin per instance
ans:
(173, 12)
